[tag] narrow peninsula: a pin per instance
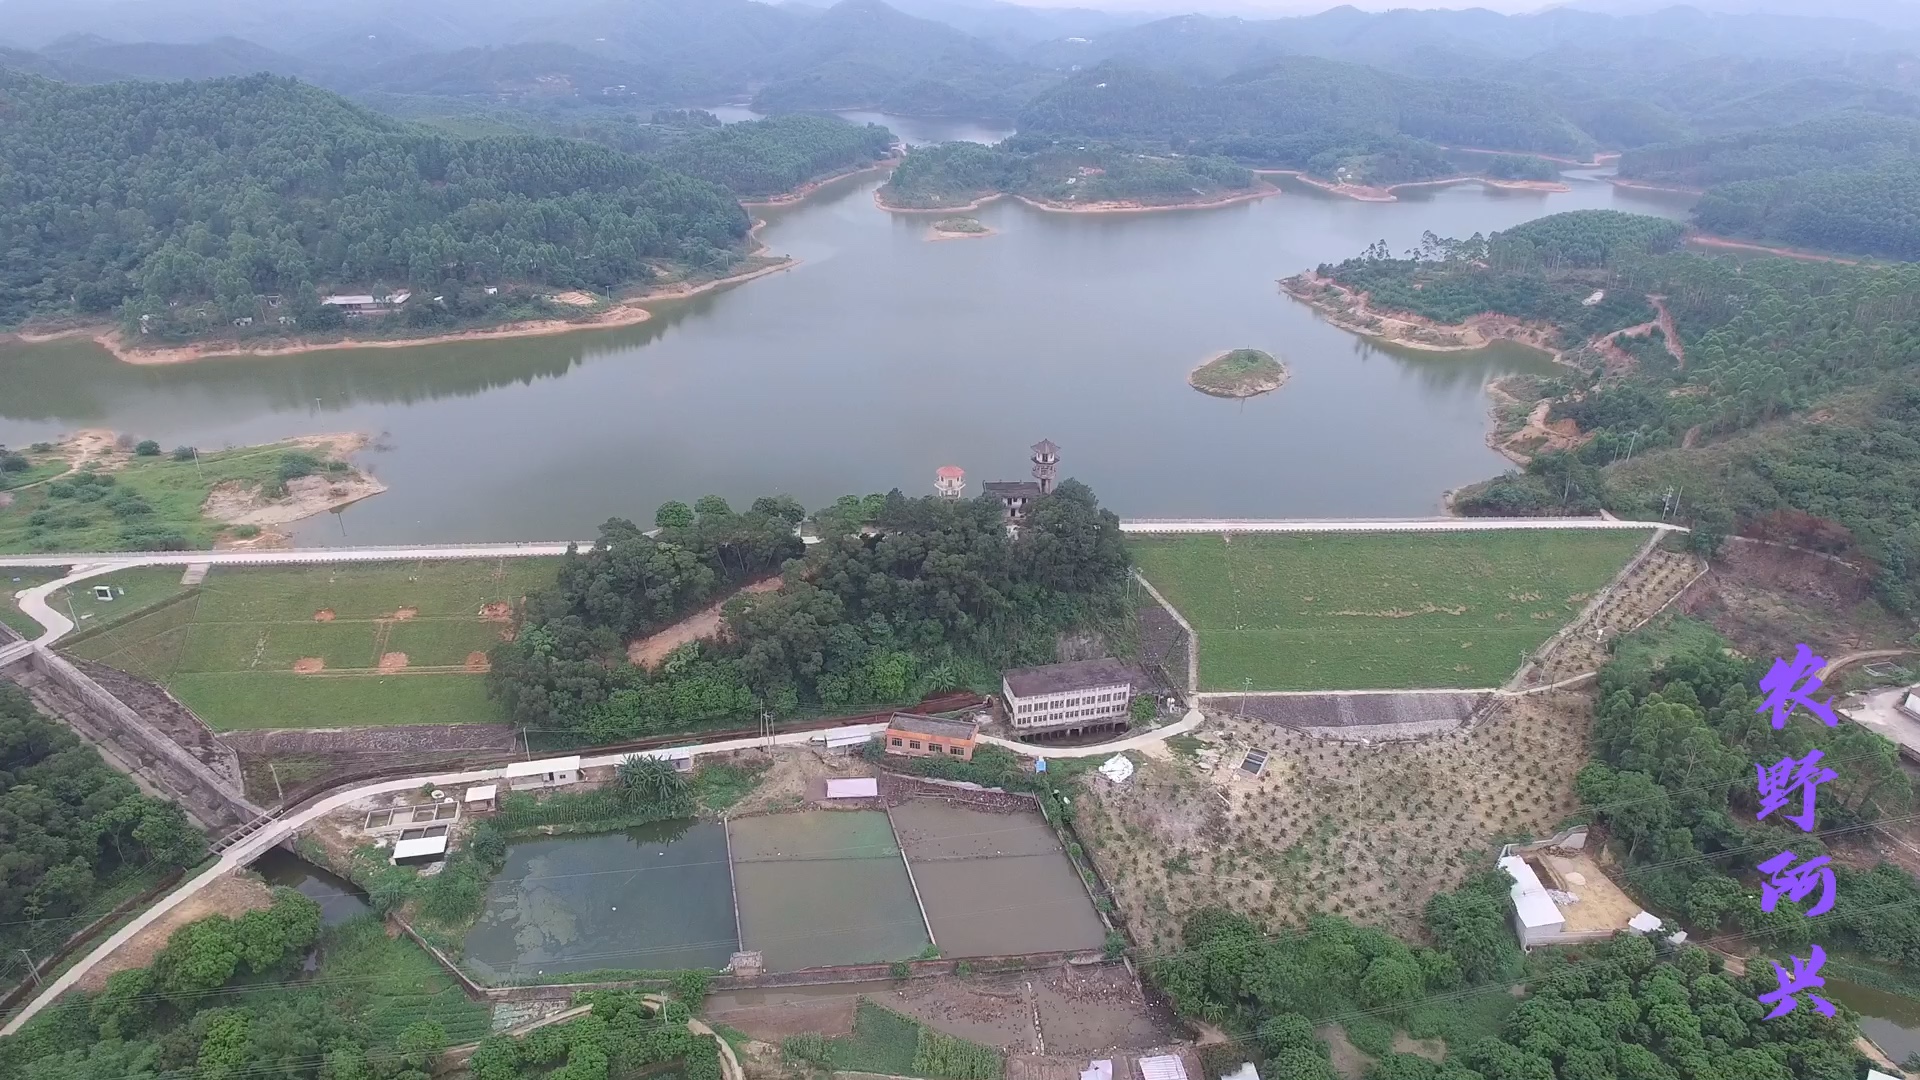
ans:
(1239, 373)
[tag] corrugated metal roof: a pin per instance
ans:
(426, 845)
(1246, 1071)
(570, 763)
(1530, 898)
(483, 792)
(860, 787)
(1163, 1067)
(1099, 1069)
(1062, 678)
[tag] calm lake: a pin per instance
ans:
(880, 357)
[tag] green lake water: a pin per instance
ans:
(655, 897)
(1891, 1020)
(877, 359)
(824, 887)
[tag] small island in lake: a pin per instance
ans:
(958, 228)
(1240, 373)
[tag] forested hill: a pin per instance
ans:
(212, 195)
(1792, 415)
(1848, 183)
(1322, 116)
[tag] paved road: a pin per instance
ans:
(278, 556)
(1134, 742)
(1446, 524)
(408, 552)
(251, 847)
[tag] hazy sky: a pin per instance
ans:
(1270, 8)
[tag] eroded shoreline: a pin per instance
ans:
(1107, 207)
(629, 311)
(1369, 193)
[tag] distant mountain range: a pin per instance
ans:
(975, 58)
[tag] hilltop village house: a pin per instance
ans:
(913, 735)
(1069, 699)
(1014, 495)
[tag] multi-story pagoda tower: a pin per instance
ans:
(1046, 464)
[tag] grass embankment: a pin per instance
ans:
(1332, 611)
(116, 501)
(322, 646)
(1239, 373)
(887, 1043)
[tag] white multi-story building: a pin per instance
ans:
(1069, 699)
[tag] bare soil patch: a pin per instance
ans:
(393, 661)
(498, 611)
(575, 298)
(323, 615)
(477, 662)
(776, 1014)
(1434, 1050)
(706, 623)
(995, 1010)
(404, 614)
(308, 665)
(239, 503)
(233, 896)
(1348, 1060)
(1763, 598)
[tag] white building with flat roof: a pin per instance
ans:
(1071, 699)
(547, 772)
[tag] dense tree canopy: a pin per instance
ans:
(189, 1014)
(193, 201)
(952, 174)
(1765, 341)
(900, 597)
(1848, 183)
(1676, 740)
(71, 827)
(1328, 118)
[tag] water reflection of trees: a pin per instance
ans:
(72, 382)
(1456, 371)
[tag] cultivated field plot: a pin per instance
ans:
(1377, 611)
(1366, 831)
(328, 646)
(823, 887)
(995, 883)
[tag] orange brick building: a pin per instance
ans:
(913, 735)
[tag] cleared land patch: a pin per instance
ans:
(1354, 611)
(327, 646)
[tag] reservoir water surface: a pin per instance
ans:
(878, 358)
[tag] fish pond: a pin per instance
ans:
(654, 897)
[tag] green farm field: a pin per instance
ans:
(337, 645)
(1377, 611)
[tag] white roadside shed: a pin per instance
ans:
(1536, 918)
(548, 772)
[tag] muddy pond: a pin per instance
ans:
(815, 888)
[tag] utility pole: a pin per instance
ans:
(766, 727)
(31, 969)
(280, 794)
